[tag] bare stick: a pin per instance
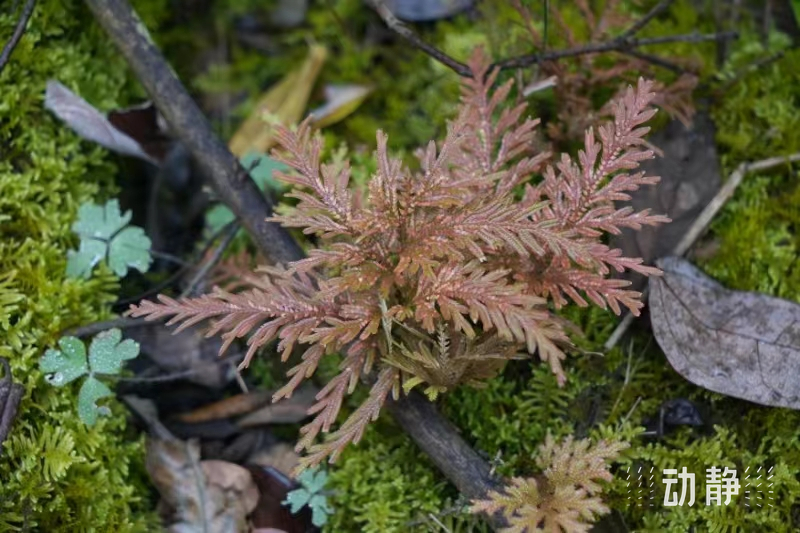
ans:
(701, 223)
(27, 11)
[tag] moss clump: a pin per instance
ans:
(383, 486)
(52, 465)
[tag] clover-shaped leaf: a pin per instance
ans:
(105, 234)
(91, 391)
(297, 499)
(65, 365)
(106, 354)
(313, 480)
(320, 510)
(311, 494)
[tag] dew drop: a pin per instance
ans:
(55, 379)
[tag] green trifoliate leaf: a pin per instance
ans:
(297, 499)
(313, 481)
(105, 234)
(319, 510)
(106, 353)
(80, 263)
(129, 249)
(65, 365)
(91, 391)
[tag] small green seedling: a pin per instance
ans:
(105, 234)
(106, 355)
(260, 167)
(311, 494)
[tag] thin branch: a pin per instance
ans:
(230, 232)
(623, 44)
(615, 45)
(642, 22)
(97, 327)
(178, 273)
(397, 26)
(462, 465)
(747, 70)
(656, 60)
(701, 223)
(10, 396)
(27, 11)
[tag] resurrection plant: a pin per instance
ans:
(564, 497)
(436, 277)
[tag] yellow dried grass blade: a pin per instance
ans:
(285, 102)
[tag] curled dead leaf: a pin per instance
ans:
(89, 123)
(742, 344)
(211, 496)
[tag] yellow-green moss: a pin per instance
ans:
(55, 473)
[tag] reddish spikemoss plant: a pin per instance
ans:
(437, 277)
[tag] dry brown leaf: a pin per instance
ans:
(286, 101)
(234, 482)
(286, 411)
(195, 496)
(280, 456)
(690, 177)
(89, 123)
(188, 351)
(742, 344)
(238, 405)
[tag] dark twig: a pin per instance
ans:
(615, 45)
(656, 60)
(10, 396)
(180, 272)
(175, 376)
(623, 44)
(747, 70)
(230, 232)
(642, 22)
(27, 11)
(96, 327)
(397, 26)
(462, 465)
(166, 256)
(432, 432)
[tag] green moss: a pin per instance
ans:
(382, 484)
(52, 464)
